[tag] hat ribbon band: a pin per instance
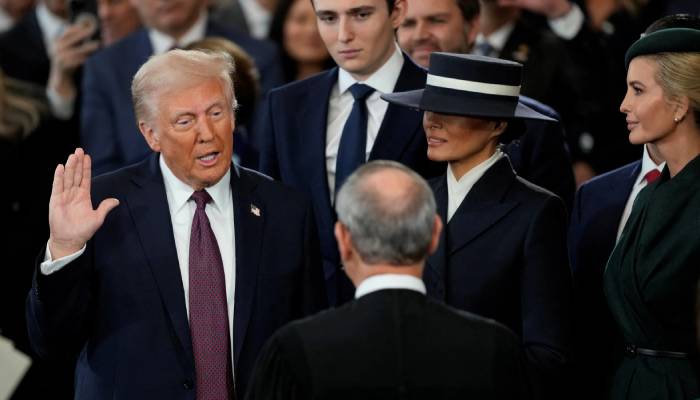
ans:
(473, 86)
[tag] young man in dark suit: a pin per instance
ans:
(108, 125)
(391, 341)
(161, 302)
(316, 131)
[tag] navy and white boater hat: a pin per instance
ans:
(470, 85)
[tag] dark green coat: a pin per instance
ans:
(650, 283)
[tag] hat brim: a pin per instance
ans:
(463, 106)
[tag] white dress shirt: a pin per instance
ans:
(257, 17)
(457, 190)
(497, 40)
(6, 21)
(220, 213)
(568, 25)
(340, 105)
(640, 183)
(52, 27)
(162, 42)
(389, 281)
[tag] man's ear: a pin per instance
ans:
(150, 135)
(435, 239)
(342, 235)
(398, 13)
(499, 128)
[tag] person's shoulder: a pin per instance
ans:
(472, 323)
(114, 181)
(271, 189)
(611, 177)
(303, 86)
(118, 52)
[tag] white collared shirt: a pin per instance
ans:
(496, 39)
(257, 17)
(220, 213)
(6, 21)
(389, 281)
(162, 42)
(457, 190)
(340, 105)
(51, 26)
(640, 183)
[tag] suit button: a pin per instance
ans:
(187, 384)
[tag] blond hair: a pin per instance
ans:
(176, 70)
(679, 75)
(21, 108)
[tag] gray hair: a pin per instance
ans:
(176, 70)
(387, 227)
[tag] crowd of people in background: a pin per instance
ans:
(559, 139)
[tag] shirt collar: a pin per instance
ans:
(389, 281)
(382, 80)
(469, 179)
(50, 24)
(647, 165)
(162, 42)
(179, 192)
(498, 38)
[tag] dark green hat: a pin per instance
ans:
(671, 40)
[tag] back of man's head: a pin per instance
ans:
(389, 212)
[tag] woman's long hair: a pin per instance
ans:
(22, 105)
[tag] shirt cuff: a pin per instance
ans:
(568, 25)
(61, 107)
(49, 266)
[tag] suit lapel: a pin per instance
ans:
(484, 205)
(400, 123)
(249, 222)
(434, 274)
(311, 124)
(154, 227)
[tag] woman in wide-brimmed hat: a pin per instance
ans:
(651, 278)
(503, 251)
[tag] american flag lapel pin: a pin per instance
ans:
(254, 210)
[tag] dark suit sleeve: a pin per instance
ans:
(266, 136)
(546, 300)
(58, 307)
(97, 134)
(512, 382)
(314, 293)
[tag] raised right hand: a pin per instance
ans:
(72, 220)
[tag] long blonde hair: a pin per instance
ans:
(21, 108)
(679, 75)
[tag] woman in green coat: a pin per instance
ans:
(651, 277)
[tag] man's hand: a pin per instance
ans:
(549, 8)
(71, 50)
(72, 221)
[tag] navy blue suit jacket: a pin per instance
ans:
(122, 302)
(293, 149)
(503, 256)
(595, 219)
(109, 131)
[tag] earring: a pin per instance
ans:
(676, 120)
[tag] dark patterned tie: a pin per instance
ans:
(208, 311)
(353, 142)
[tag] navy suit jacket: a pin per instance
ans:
(503, 256)
(293, 149)
(122, 302)
(595, 219)
(109, 131)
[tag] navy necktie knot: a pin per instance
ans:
(201, 198)
(360, 91)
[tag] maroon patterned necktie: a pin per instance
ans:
(208, 312)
